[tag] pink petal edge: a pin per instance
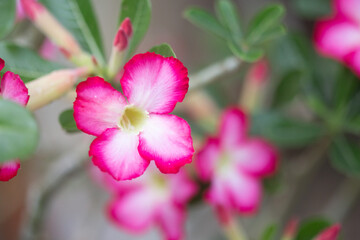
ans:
(155, 83)
(13, 88)
(167, 140)
(9, 170)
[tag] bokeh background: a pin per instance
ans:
(77, 211)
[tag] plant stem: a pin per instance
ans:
(343, 200)
(232, 229)
(58, 176)
(213, 72)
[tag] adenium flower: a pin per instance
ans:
(12, 88)
(234, 164)
(338, 36)
(136, 127)
(153, 199)
(330, 233)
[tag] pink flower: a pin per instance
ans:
(234, 164)
(338, 36)
(11, 88)
(136, 127)
(330, 233)
(153, 199)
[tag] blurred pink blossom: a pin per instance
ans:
(11, 88)
(235, 164)
(330, 233)
(154, 199)
(338, 36)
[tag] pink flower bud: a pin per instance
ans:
(330, 233)
(32, 8)
(121, 40)
(291, 229)
(258, 72)
(126, 25)
(2, 64)
(52, 86)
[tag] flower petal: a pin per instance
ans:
(116, 152)
(207, 158)
(135, 211)
(167, 140)
(13, 88)
(182, 187)
(336, 37)
(235, 190)
(353, 61)
(98, 106)
(155, 83)
(233, 127)
(349, 8)
(2, 64)
(256, 157)
(172, 220)
(9, 169)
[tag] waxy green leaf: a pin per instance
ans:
(79, 18)
(164, 50)
(25, 62)
(7, 16)
(207, 22)
(67, 121)
(228, 15)
(18, 131)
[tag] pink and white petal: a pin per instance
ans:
(155, 83)
(233, 127)
(106, 181)
(135, 211)
(2, 64)
(172, 220)
(167, 140)
(182, 187)
(236, 191)
(349, 9)
(353, 61)
(13, 88)
(256, 157)
(206, 159)
(116, 153)
(98, 106)
(8, 170)
(336, 37)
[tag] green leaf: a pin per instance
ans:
(266, 19)
(284, 131)
(311, 228)
(7, 16)
(79, 18)
(269, 233)
(228, 15)
(206, 21)
(139, 12)
(25, 62)
(312, 9)
(163, 49)
(287, 88)
(345, 156)
(18, 131)
(67, 121)
(251, 55)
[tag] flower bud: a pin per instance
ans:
(60, 36)
(52, 86)
(120, 44)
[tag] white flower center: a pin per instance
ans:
(133, 119)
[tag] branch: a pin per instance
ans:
(57, 177)
(343, 200)
(214, 72)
